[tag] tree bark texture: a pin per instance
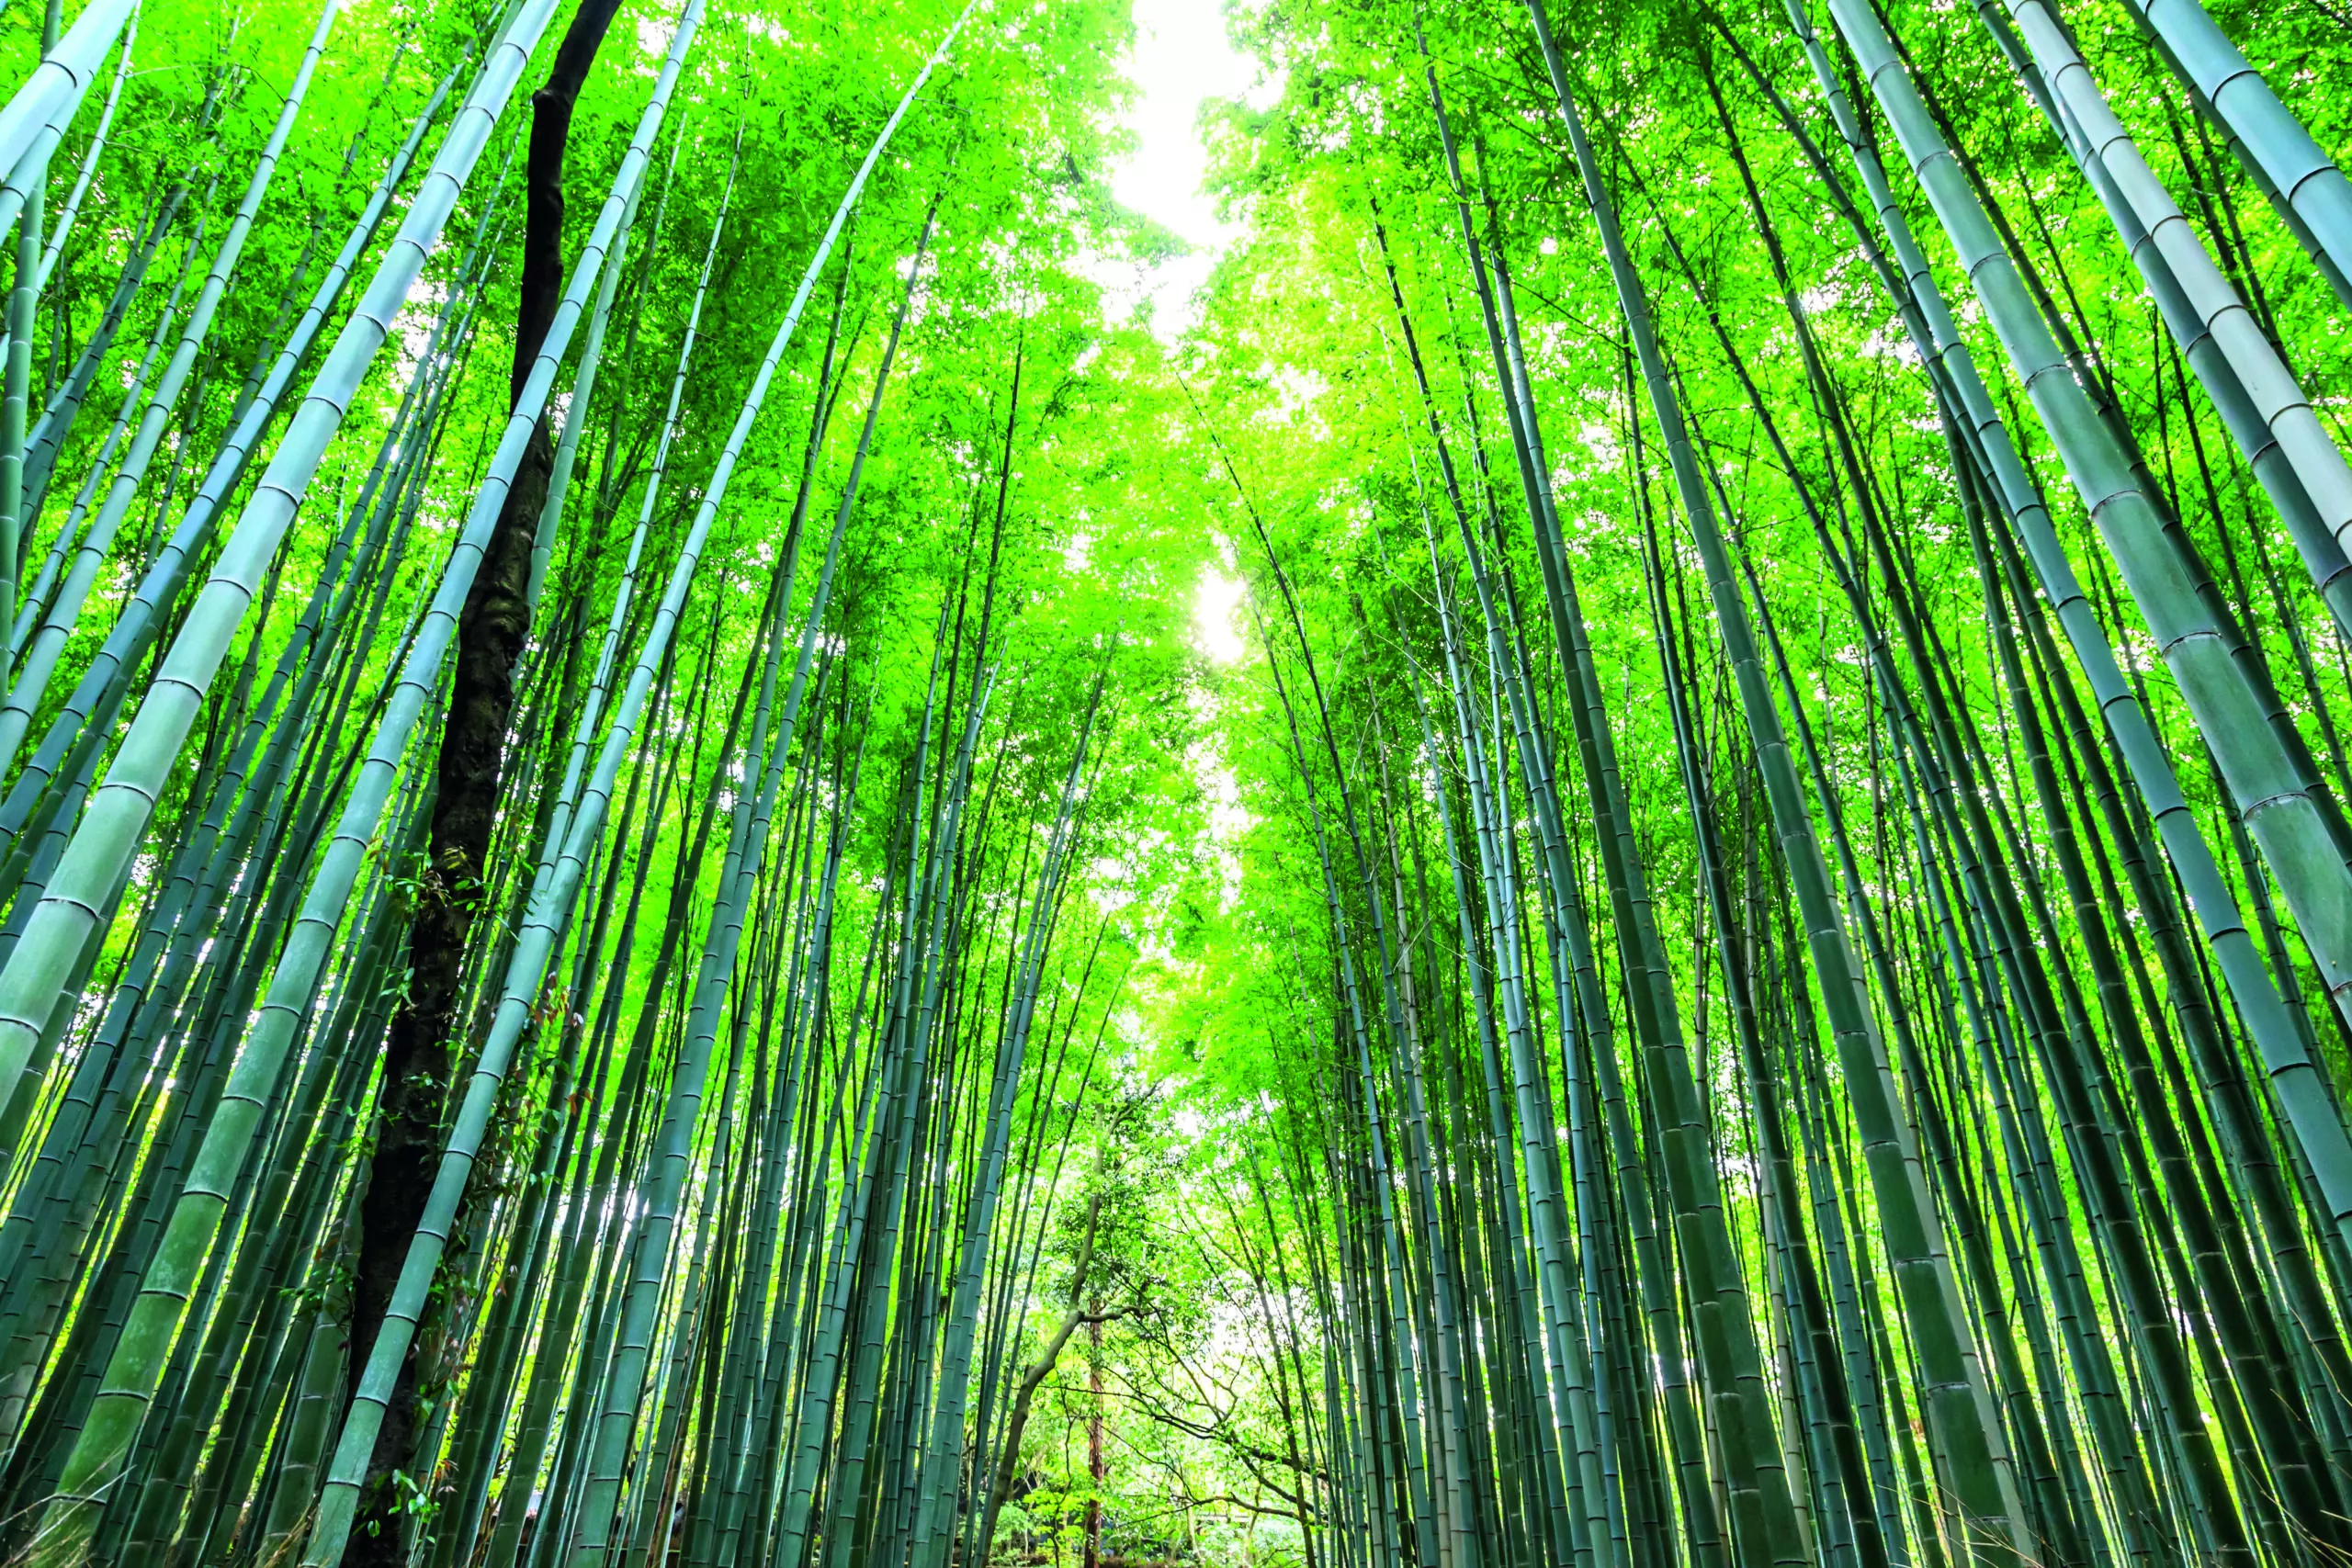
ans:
(491, 630)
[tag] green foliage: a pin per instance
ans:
(1368, 1165)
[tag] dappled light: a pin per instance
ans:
(1117, 783)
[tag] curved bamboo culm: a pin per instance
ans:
(2301, 179)
(103, 843)
(1675, 990)
(550, 903)
(68, 64)
(21, 199)
(943, 1457)
(578, 398)
(41, 834)
(1726, 1335)
(36, 600)
(2211, 901)
(108, 836)
(338, 1500)
(582, 748)
(185, 891)
(2309, 1109)
(54, 245)
(2257, 393)
(1582, 1422)
(1959, 1407)
(104, 682)
(807, 1441)
(32, 1338)
(31, 672)
(2273, 801)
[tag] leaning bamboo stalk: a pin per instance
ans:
(46, 442)
(228, 1003)
(661, 1191)
(1960, 1409)
(54, 245)
(2249, 1377)
(2308, 1106)
(60, 79)
(532, 1428)
(1905, 727)
(41, 838)
(1724, 1332)
(592, 1179)
(608, 650)
(551, 902)
(1442, 1296)
(68, 1521)
(194, 883)
(108, 835)
(943, 1454)
(2304, 182)
(20, 201)
(2200, 291)
(105, 678)
(32, 608)
(46, 644)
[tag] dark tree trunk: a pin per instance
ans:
(1095, 1467)
(491, 630)
(1008, 1466)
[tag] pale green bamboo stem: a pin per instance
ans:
(81, 895)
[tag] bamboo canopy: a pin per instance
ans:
(738, 826)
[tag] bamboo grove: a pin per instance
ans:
(645, 915)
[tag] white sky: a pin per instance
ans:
(1182, 58)
(1216, 616)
